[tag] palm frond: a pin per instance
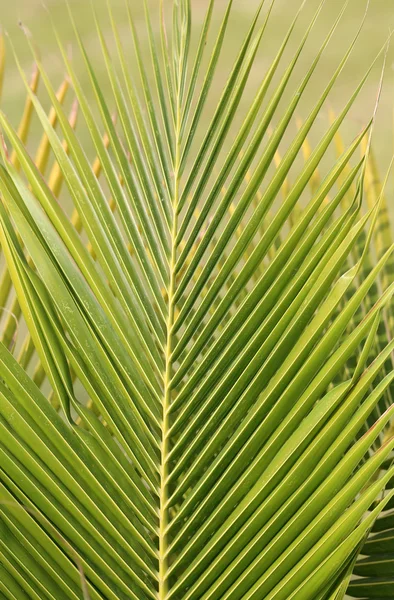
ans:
(196, 358)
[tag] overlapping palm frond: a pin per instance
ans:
(196, 361)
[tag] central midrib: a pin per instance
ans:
(165, 443)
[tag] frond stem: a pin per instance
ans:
(165, 444)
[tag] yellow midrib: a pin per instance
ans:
(163, 512)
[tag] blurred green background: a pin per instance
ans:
(379, 20)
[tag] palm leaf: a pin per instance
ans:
(195, 379)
